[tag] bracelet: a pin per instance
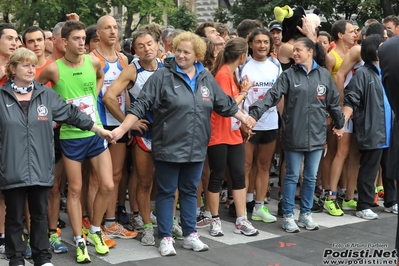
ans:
(244, 93)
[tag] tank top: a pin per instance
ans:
(338, 62)
(142, 76)
(78, 86)
(111, 71)
(40, 69)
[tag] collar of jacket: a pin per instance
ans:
(37, 89)
(298, 67)
(374, 68)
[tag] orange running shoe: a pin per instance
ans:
(117, 230)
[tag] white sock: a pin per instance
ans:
(94, 229)
(207, 214)
(240, 219)
(250, 197)
(198, 211)
(78, 239)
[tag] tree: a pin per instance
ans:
(182, 18)
(331, 10)
(144, 8)
(47, 13)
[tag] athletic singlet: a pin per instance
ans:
(338, 62)
(352, 72)
(141, 78)
(286, 66)
(264, 74)
(78, 86)
(40, 69)
(111, 71)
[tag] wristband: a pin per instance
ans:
(96, 131)
(244, 93)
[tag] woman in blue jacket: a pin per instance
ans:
(309, 92)
(182, 96)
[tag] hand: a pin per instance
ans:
(249, 121)
(72, 16)
(116, 134)
(246, 84)
(105, 134)
(339, 132)
(141, 126)
(307, 29)
(246, 133)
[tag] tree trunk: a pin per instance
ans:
(386, 6)
(128, 26)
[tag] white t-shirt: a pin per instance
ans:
(264, 74)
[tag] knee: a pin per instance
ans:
(74, 191)
(107, 187)
(144, 183)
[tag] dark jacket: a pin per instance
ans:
(307, 97)
(181, 128)
(389, 62)
(27, 144)
(364, 94)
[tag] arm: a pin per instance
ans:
(272, 97)
(117, 87)
(333, 107)
(49, 73)
(99, 72)
(285, 53)
(350, 60)
(71, 115)
(330, 62)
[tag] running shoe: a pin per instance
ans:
(98, 241)
(333, 208)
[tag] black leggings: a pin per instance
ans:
(223, 155)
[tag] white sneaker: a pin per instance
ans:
(305, 220)
(193, 242)
(263, 214)
(48, 264)
(289, 224)
(393, 209)
(166, 247)
(245, 228)
(216, 227)
(367, 214)
(177, 232)
(153, 219)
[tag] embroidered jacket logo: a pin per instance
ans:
(42, 112)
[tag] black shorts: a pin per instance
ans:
(124, 139)
(264, 136)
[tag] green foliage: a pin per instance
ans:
(182, 18)
(155, 8)
(331, 10)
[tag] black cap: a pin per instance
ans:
(276, 26)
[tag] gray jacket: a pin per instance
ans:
(307, 97)
(27, 143)
(364, 94)
(181, 128)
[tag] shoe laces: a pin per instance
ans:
(100, 236)
(336, 204)
(169, 240)
(82, 246)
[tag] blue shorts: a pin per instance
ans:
(80, 149)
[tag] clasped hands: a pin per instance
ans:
(338, 132)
